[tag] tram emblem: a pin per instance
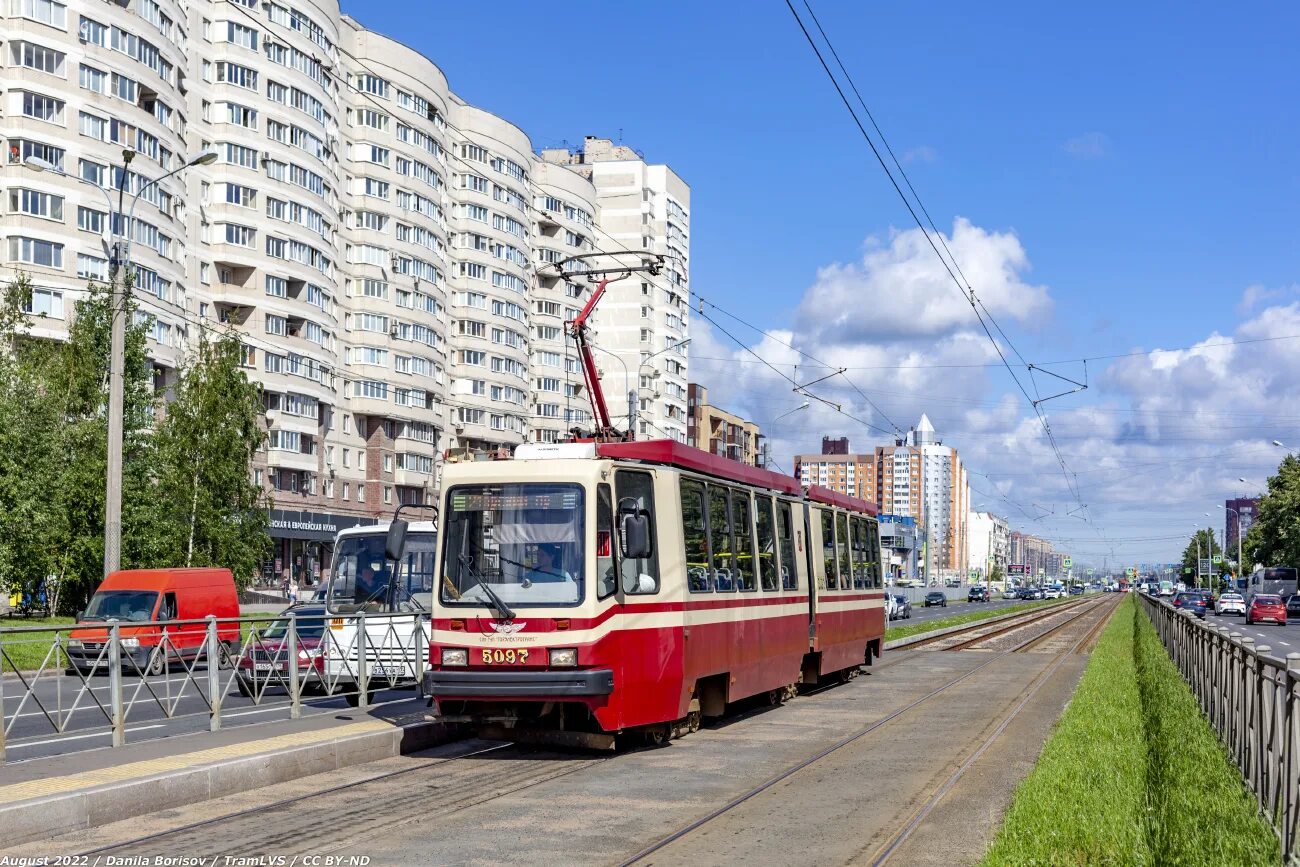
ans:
(509, 627)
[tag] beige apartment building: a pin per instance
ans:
(375, 240)
(715, 430)
(644, 319)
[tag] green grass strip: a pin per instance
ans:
(1133, 774)
(1083, 803)
(29, 649)
(969, 617)
(1199, 810)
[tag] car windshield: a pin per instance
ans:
(524, 541)
(310, 625)
(363, 577)
(134, 605)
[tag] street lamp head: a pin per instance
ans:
(203, 158)
(1243, 481)
(803, 405)
(1278, 443)
(37, 164)
(128, 154)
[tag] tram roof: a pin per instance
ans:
(686, 457)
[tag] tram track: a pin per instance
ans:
(919, 817)
(454, 783)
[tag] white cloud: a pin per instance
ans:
(902, 288)
(1089, 146)
(1157, 440)
(920, 154)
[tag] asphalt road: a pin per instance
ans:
(1282, 639)
(952, 610)
(164, 707)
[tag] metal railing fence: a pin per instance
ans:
(1251, 701)
(81, 680)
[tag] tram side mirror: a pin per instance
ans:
(395, 543)
(634, 534)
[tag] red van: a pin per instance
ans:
(145, 596)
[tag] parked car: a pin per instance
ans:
(936, 597)
(1266, 606)
(1030, 593)
(146, 596)
(978, 594)
(902, 607)
(1053, 591)
(1010, 593)
(1076, 590)
(265, 664)
(1230, 603)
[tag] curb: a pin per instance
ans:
(40, 818)
(904, 643)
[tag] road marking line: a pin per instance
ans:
(15, 746)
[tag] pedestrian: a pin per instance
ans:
(293, 593)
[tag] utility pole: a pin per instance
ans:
(116, 376)
(119, 261)
(633, 404)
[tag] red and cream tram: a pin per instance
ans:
(588, 589)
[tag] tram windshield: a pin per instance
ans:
(363, 579)
(524, 541)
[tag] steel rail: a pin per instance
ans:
(835, 747)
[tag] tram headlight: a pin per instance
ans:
(455, 656)
(564, 657)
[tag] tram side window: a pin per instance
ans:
(830, 582)
(842, 550)
(785, 539)
(766, 543)
(695, 535)
(742, 534)
(861, 563)
(873, 541)
(720, 540)
(635, 490)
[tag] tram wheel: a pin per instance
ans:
(693, 721)
(775, 697)
(656, 736)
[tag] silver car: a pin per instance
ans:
(1230, 603)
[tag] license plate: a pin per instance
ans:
(504, 656)
(386, 671)
(266, 666)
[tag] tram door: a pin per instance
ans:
(810, 574)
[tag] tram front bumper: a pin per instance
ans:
(519, 684)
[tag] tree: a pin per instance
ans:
(213, 514)
(995, 574)
(1274, 537)
(1202, 543)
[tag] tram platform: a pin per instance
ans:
(44, 797)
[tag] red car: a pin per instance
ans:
(265, 663)
(1266, 606)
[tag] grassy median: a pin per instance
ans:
(907, 629)
(28, 650)
(1132, 773)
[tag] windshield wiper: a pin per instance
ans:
(507, 613)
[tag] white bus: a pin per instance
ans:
(395, 600)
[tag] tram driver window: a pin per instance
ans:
(785, 539)
(604, 543)
(695, 537)
(723, 569)
(766, 543)
(873, 540)
(830, 581)
(635, 490)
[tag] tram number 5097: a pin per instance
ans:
(509, 656)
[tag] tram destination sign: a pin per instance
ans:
(495, 501)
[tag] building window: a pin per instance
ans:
(35, 251)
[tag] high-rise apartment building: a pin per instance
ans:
(715, 430)
(840, 470)
(374, 239)
(1240, 514)
(643, 319)
(989, 542)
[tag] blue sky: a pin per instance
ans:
(1142, 155)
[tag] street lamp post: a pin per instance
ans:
(1241, 567)
(635, 403)
(771, 425)
(119, 255)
